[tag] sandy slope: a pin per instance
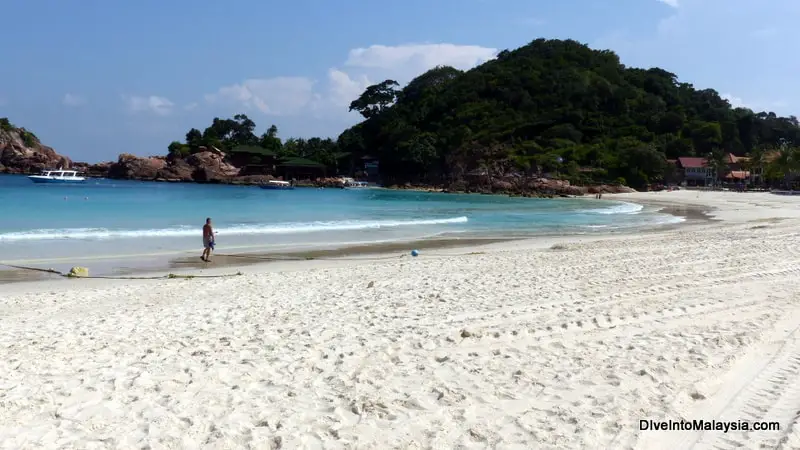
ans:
(514, 348)
(728, 206)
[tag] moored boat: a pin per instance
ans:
(277, 185)
(350, 183)
(57, 177)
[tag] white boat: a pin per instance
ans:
(351, 183)
(277, 185)
(57, 176)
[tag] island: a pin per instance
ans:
(552, 117)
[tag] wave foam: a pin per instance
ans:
(618, 208)
(236, 230)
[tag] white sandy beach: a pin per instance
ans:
(520, 346)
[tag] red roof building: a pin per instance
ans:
(696, 171)
(693, 162)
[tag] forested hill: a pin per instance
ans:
(551, 105)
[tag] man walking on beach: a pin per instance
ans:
(208, 241)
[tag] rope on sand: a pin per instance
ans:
(111, 277)
(249, 257)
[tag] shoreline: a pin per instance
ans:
(185, 263)
(324, 183)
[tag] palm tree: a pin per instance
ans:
(757, 164)
(786, 162)
(717, 160)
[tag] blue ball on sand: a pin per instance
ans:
(414, 252)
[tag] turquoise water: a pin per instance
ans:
(110, 217)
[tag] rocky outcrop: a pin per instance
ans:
(21, 152)
(252, 179)
(210, 166)
(553, 187)
(609, 189)
(203, 167)
(131, 167)
(99, 170)
(519, 186)
(176, 170)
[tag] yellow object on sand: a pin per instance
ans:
(78, 272)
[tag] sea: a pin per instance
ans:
(108, 221)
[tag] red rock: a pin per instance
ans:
(210, 166)
(16, 156)
(132, 167)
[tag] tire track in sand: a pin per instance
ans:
(792, 439)
(562, 308)
(669, 318)
(764, 385)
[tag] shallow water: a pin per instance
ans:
(40, 222)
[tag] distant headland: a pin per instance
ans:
(553, 117)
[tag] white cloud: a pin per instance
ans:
(419, 56)
(672, 3)
(281, 96)
(344, 89)
(736, 102)
(402, 63)
(73, 100)
(152, 104)
(288, 96)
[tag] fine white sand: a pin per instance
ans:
(522, 346)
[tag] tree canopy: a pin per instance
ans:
(551, 105)
(237, 135)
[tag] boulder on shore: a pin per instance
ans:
(203, 167)
(609, 189)
(210, 167)
(132, 167)
(99, 170)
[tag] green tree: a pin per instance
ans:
(292, 147)
(194, 138)
(29, 139)
(5, 124)
(786, 162)
(229, 133)
(758, 162)
(375, 99)
(717, 160)
(178, 150)
(707, 136)
(270, 140)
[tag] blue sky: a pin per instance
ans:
(97, 78)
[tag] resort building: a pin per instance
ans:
(693, 171)
(696, 171)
